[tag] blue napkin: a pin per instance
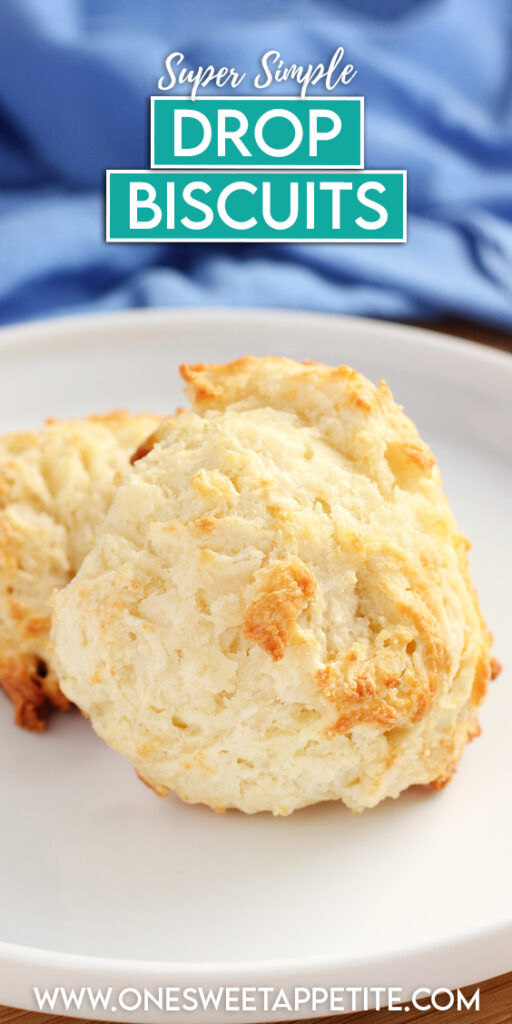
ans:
(75, 77)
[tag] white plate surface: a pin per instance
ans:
(102, 883)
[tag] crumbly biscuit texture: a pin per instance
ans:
(56, 485)
(279, 610)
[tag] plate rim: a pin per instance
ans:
(77, 323)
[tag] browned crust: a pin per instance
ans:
(495, 668)
(406, 457)
(420, 455)
(144, 448)
(270, 620)
(161, 791)
(206, 524)
(374, 694)
(378, 700)
(359, 705)
(212, 383)
(32, 693)
(192, 374)
(372, 697)
(442, 781)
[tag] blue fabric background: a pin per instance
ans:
(75, 77)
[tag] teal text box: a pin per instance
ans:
(278, 123)
(158, 206)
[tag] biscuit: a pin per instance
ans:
(278, 609)
(56, 485)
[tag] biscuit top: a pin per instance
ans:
(316, 486)
(67, 470)
(361, 420)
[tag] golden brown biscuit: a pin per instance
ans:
(278, 609)
(56, 485)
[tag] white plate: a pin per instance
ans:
(102, 883)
